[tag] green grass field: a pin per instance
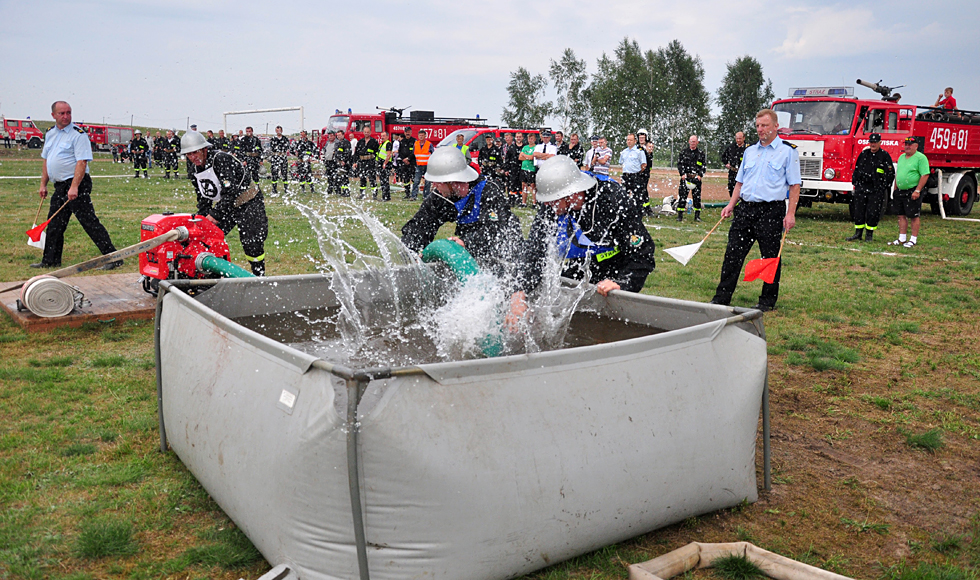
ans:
(875, 377)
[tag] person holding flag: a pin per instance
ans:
(768, 177)
(67, 151)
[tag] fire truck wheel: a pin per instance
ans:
(34, 143)
(966, 192)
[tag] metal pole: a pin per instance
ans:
(301, 119)
(766, 450)
(354, 390)
(156, 344)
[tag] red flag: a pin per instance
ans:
(35, 233)
(763, 268)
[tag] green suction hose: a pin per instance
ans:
(463, 266)
(454, 255)
(215, 265)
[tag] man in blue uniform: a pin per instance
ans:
(67, 151)
(769, 174)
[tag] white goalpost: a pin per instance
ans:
(253, 111)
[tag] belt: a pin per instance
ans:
(367, 157)
(57, 183)
(247, 195)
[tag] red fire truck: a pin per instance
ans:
(830, 127)
(393, 121)
(105, 137)
(23, 129)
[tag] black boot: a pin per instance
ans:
(857, 235)
(697, 215)
(258, 268)
(868, 235)
(680, 216)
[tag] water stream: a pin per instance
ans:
(423, 318)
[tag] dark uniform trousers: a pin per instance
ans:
(253, 229)
(82, 208)
(752, 221)
(170, 163)
(365, 170)
(330, 172)
(633, 182)
(280, 171)
(139, 160)
(868, 204)
(695, 194)
(732, 174)
(384, 173)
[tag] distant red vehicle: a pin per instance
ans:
(392, 121)
(830, 128)
(23, 129)
(105, 137)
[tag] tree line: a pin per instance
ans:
(661, 90)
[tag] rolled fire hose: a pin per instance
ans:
(49, 297)
(463, 266)
(179, 233)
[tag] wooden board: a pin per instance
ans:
(112, 296)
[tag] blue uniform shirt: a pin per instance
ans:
(632, 159)
(767, 173)
(63, 148)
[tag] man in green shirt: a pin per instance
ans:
(910, 178)
(526, 157)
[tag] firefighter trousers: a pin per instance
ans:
(280, 172)
(365, 170)
(304, 173)
(682, 195)
(170, 163)
(82, 209)
(139, 161)
(868, 205)
(253, 229)
(752, 222)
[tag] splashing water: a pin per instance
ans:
(403, 323)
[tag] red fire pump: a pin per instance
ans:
(201, 253)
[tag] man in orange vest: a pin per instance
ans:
(422, 151)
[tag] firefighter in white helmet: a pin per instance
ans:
(227, 196)
(595, 226)
(485, 225)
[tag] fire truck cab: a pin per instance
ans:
(23, 131)
(830, 127)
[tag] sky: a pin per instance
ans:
(169, 64)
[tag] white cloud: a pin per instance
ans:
(835, 31)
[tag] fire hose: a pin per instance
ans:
(49, 297)
(464, 267)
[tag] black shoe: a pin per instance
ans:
(764, 307)
(869, 235)
(719, 302)
(113, 265)
(43, 265)
(697, 216)
(857, 235)
(680, 216)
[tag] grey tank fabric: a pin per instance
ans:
(481, 469)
